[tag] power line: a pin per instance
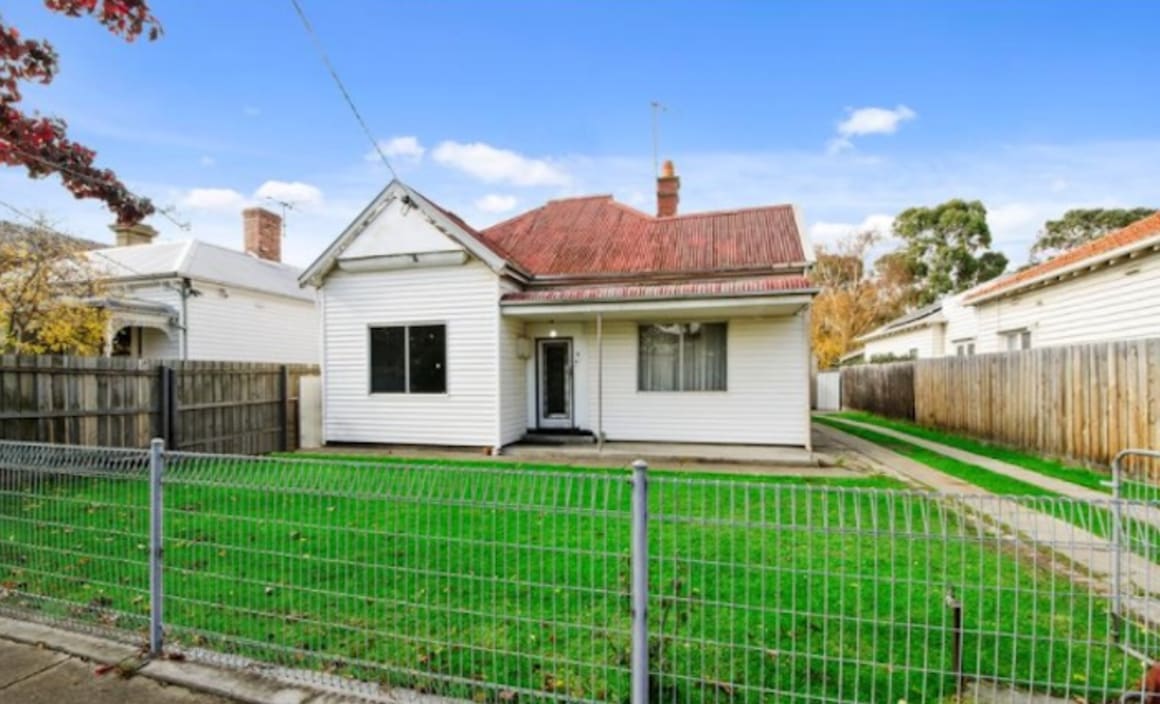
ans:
(341, 87)
(163, 212)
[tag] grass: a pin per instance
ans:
(447, 578)
(981, 477)
(1047, 467)
(1142, 537)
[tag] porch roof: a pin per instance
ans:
(729, 288)
(780, 294)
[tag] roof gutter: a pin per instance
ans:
(638, 277)
(789, 293)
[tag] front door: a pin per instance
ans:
(555, 383)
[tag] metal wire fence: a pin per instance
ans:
(494, 583)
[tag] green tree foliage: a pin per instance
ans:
(947, 248)
(1082, 225)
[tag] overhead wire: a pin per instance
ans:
(341, 86)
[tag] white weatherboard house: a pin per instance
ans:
(1106, 289)
(582, 315)
(199, 301)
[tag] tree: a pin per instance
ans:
(849, 303)
(1081, 225)
(47, 284)
(947, 248)
(40, 144)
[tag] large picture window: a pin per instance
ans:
(408, 359)
(682, 357)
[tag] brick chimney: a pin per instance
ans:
(668, 188)
(130, 235)
(263, 231)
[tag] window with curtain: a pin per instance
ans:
(408, 359)
(682, 357)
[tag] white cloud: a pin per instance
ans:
(402, 147)
(863, 121)
(213, 199)
(296, 193)
(207, 161)
(495, 203)
(251, 111)
(827, 232)
(492, 165)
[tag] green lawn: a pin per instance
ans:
(501, 583)
(1048, 468)
(1142, 538)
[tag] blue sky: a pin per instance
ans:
(852, 110)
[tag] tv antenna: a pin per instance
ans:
(286, 206)
(657, 109)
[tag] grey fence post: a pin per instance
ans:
(1118, 545)
(639, 556)
(156, 468)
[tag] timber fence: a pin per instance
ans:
(233, 407)
(496, 583)
(1083, 402)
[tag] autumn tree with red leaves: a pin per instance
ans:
(40, 144)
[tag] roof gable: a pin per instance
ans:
(448, 224)
(596, 236)
(1137, 234)
(397, 229)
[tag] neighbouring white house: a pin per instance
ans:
(581, 316)
(1106, 289)
(199, 301)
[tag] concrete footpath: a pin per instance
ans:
(31, 674)
(45, 665)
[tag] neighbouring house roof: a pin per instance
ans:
(722, 288)
(595, 235)
(925, 316)
(201, 261)
(13, 231)
(1142, 233)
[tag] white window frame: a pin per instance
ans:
(681, 359)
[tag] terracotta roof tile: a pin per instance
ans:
(597, 235)
(748, 286)
(1136, 232)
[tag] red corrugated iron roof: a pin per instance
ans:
(597, 235)
(723, 288)
(1136, 232)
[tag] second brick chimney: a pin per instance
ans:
(263, 233)
(131, 235)
(668, 191)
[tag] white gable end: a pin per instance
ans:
(399, 229)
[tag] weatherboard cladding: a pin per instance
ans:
(597, 235)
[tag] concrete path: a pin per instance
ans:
(1070, 545)
(36, 675)
(1134, 510)
(1024, 475)
(44, 665)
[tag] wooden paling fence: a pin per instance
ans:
(226, 407)
(885, 389)
(1082, 402)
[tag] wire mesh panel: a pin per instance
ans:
(74, 536)
(479, 583)
(771, 592)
